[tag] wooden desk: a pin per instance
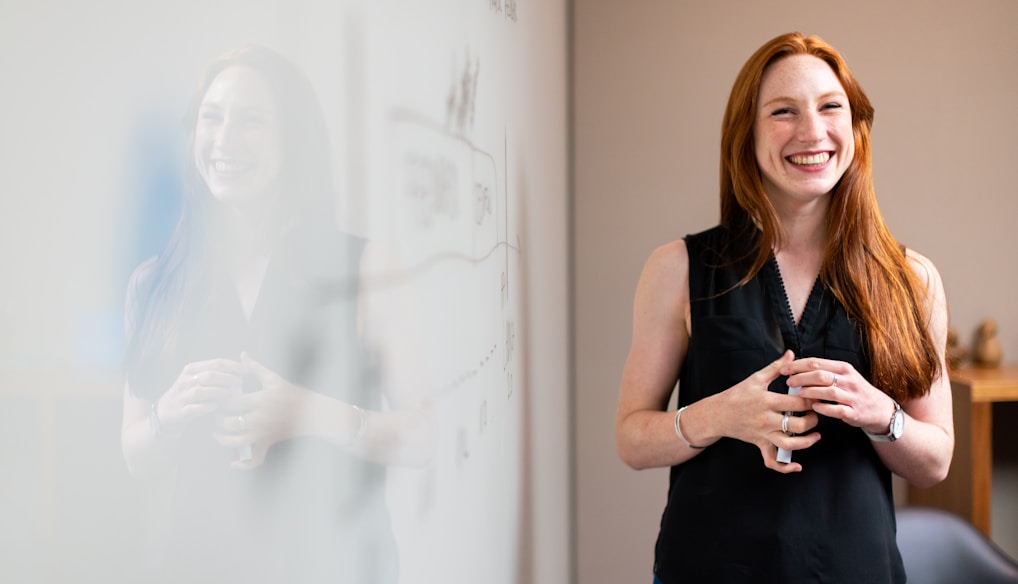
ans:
(967, 489)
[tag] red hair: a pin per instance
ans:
(863, 266)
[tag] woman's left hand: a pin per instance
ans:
(839, 391)
(263, 417)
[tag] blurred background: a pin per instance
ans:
(573, 136)
(651, 80)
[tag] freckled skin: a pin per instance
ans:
(803, 110)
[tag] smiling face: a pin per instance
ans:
(237, 140)
(803, 129)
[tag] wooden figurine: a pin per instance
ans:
(986, 351)
(957, 353)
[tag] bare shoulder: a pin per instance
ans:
(668, 262)
(924, 268)
(664, 284)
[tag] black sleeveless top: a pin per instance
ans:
(311, 513)
(728, 517)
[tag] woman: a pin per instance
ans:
(800, 286)
(250, 390)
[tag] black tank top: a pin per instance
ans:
(728, 517)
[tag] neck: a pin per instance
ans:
(804, 226)
(243, 232)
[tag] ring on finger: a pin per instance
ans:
(784, 423)
(241, 423)
(835, 382)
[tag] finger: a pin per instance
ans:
(217, 378)
(799, 425)
(769, 453)
(241, 403)
(834, 410)
(255, 367)
(790, 443)
(797, 442)
(773, 370)
(785, 467)
(206, 385)
(790, 403)
(234, 440)
(209, 395)
(236, 423)
(822, 379)
(808, 364)
(829, 393)
(196, 410)
(222, 365)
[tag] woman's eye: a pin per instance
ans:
(834, 105)
(781, 112)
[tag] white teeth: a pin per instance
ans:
(810, 160)
(229, 166)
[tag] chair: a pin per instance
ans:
(938, 547)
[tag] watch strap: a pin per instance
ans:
(890, 436)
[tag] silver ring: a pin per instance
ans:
(835, 382)
(240, 423)
(194, 378)
(784, 423)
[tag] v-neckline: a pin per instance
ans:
(248, 303)
(793, 331)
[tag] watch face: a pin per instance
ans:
(897, 423)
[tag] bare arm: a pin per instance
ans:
(144, 452)
(390, 324)
(645, 432)
(923, 453)
(148, 437)
(149, 430)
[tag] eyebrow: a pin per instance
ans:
(244, 109)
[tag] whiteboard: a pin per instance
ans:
(440, 127)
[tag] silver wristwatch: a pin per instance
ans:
(894, 432)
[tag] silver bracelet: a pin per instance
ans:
(153, 419)
(362, 425)
(678, 430)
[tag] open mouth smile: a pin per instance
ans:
(230, 166)
(809, 160)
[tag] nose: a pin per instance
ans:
(227, 132)
(811, 127)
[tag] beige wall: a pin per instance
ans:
(651, 79)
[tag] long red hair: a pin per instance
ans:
(863, 265)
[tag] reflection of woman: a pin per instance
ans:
(803, 286)
(247, 382)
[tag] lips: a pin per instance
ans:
(230, 166)
(815, 159)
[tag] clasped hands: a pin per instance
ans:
(253, 406)
(828, 387)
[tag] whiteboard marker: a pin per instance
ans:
(786, 455)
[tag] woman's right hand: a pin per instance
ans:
(198, 391)
(755, 415)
